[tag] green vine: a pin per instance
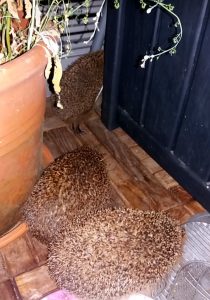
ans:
(178, 25)
(117, 4)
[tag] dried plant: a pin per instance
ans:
(23, 23)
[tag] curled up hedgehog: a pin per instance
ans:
(74, 184)
(80, 85)
(98, 252)
(116, 254)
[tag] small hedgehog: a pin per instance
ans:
(80, 86)
(115, 254)
(74, 184)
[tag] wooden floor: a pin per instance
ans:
(137, 180)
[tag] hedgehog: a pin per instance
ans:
(80, 85)
(115, 254)
(75, 183)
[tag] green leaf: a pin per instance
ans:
(116, 4)
(143, 4)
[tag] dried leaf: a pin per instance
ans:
(49, 64)
(38, 16)
(28, 9)
(13, 34)
(57, 74)
(14, 45)
(12, 7)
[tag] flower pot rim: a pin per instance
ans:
(30, 59)
(14, 233)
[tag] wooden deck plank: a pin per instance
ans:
(126, 188)
(7, 291)
(139, 152)
(132, 166)
(53, 123)
(194, 207)
(179, 213)
(117, 199)
(60, 141)
(18, 256)
(41, 251)
(35, 284)
(182, 194)
(151, 165)
(87, 138)
(126, 139)
(38, 250)
(165, 179)
(4, 273)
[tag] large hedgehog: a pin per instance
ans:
(75, 183)
(80, 84)
(116, 254)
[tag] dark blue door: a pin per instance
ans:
(166, 106)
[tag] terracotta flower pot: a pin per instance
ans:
(22, 106)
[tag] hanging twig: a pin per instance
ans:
(96, 19)
(31, 28)
(176, 39)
